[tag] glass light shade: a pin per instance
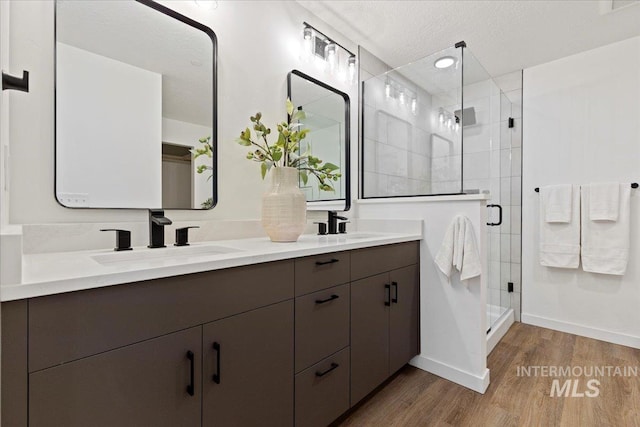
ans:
(351, 68)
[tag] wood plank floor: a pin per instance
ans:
(416, 398)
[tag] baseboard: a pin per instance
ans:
(465, 379)
(584, 331)
(499, 330)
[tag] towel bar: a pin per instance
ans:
(633, 185)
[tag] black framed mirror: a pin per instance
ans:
(135, 107)
(327, 116)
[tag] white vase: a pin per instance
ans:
(284, 207)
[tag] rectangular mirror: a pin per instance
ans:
(135, 107)
(327, 118)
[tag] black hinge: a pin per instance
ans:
(461, 43)
(511, 122)
(510, 287)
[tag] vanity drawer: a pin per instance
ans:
(321, 271)
(322, 391)
(69, 326)
(371, 261)
(322, 325)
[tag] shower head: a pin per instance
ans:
(468, 116)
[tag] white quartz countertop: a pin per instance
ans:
(53, 273)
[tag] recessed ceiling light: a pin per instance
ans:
(444, 62)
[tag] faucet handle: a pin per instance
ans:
(322, 228)
(182, 236)
(123, 239)
(342, 227)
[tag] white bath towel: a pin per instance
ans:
(560, 241)
(556, 201)
(604, 201)
(605, 244)
(459, 249)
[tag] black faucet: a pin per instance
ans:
(157, 221)
(332, 222)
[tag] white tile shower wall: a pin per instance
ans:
(397, 153)
(511, 194)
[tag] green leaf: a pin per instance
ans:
(276, 155)
(289, 107)
(243, 142)
(263, 169)
(304, 177)
(330, 167)
(299, 115)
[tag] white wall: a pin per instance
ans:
(4, 114)
(251, 78)
(108, 151)
(453, 323)
(582, 124)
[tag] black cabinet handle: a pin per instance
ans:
(331, 298)
(493, 224)
(216, 376)
(331, 261)
(387, 300)
(191, 386)
(395, 287)
(322, 374)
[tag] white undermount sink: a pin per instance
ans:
(161, 254)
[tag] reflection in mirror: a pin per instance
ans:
(135, 107)
(327, 117)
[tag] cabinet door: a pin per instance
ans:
(369, 335)
(253, 367)
(143, 384)
(403, 329)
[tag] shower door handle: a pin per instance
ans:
(493, 224)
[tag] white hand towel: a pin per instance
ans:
(560, 241)
(605, 244)
(604, 201)
(557, 201)
(459, 249)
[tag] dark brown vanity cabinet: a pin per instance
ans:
(155, 382)
(248, 366)
(274, 344)
(384, 316)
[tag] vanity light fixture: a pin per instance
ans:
(334, 54)
(331, 54)
(351, 67)
(444, 62)
(414, 105)
(441, 116)
(402, 97)
(387, 89)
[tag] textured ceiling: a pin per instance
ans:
(505, 35)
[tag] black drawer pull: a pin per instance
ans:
(216, 376)
(331, 261)
(387, 301)
(395, 298)
(331, 298)
(322, 374)
(191, 387)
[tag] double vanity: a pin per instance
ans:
(236, 332)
